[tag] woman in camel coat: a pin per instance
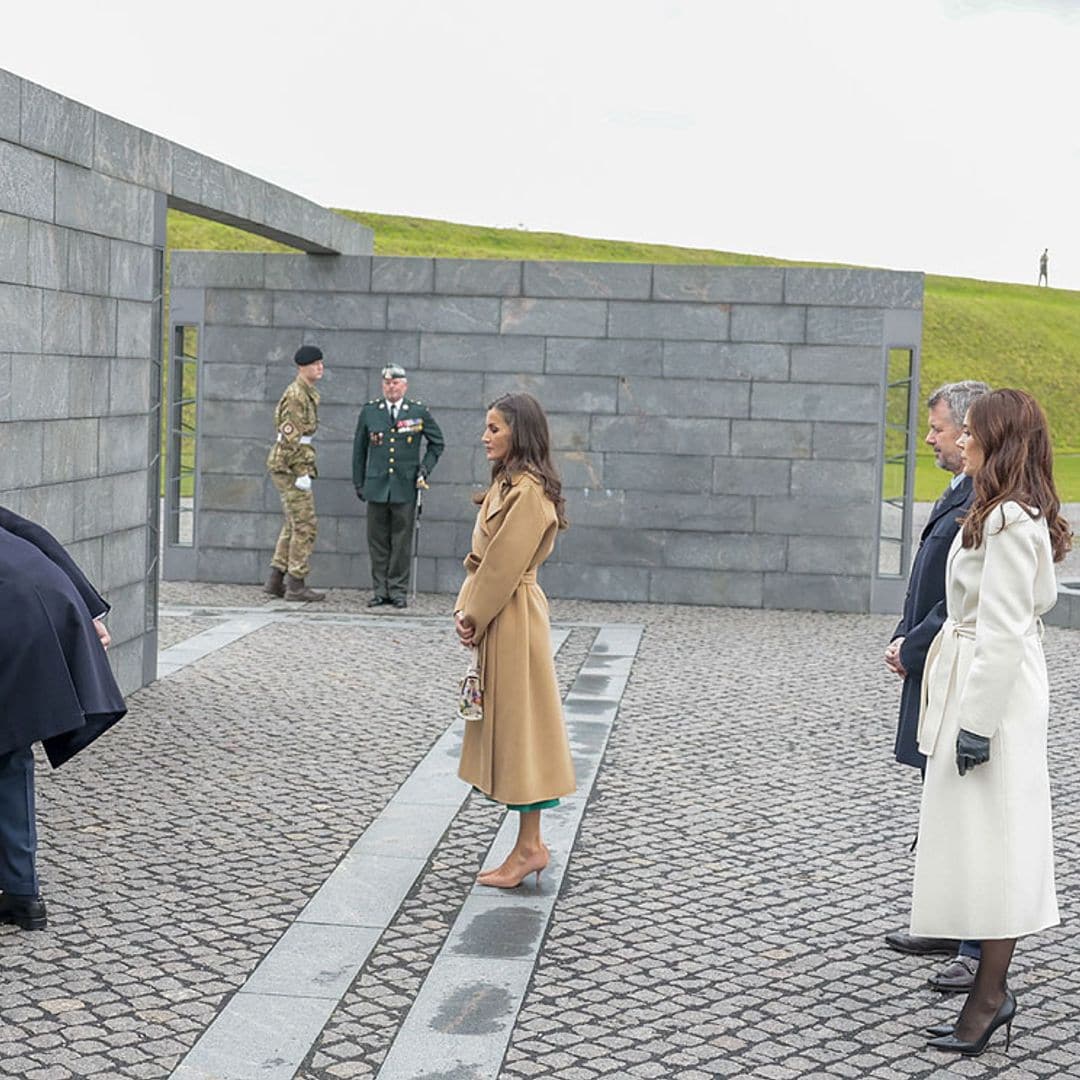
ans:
(985, 861)
(518, 753)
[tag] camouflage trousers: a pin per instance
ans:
(297, 536)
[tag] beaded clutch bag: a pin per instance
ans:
(471, 695)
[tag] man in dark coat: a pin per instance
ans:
(387, 469)
(56, 687)
(924, 614)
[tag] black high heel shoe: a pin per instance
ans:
(941, 1029)
(1004, 1015)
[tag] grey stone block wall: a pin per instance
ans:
(1066, 612)
(718, 428)
(83, 198)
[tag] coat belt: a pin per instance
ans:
(529, 577)
(967, 630)
(939, 673)
(305, 440)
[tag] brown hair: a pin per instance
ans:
(530, 449)
(1017, 465)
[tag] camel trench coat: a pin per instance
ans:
(518, 753)
(984, 866)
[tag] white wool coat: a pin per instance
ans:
(984, 866)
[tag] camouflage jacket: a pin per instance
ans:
(296, 418)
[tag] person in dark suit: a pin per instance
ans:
(387, 469)
(923, 615)
(56, 687)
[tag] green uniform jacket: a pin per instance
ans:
(385, 461)
(296, 418)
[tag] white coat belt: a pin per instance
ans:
(939, 674)
(305, 440)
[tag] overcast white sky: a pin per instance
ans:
(938, 135)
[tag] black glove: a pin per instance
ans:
(360, 493)
(971, 750)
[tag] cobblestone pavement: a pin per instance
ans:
(744, 851)
(175, 852)
(355, 1041)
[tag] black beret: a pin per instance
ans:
(307, 354)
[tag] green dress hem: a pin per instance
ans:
(525, 808)
(521, 808)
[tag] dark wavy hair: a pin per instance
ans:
(530, 449)
(1018, 465)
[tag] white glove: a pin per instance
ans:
(303, 483)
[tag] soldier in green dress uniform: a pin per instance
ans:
(387, 469)
(291, 463)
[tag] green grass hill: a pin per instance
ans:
(1007, 335)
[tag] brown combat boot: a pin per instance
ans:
(295, 589)
(275, 583)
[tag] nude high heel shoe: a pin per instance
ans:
(506, 877)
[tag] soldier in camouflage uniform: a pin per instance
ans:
(292, 465)
(386, 473)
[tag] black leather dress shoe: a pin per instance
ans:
(957, 977)
(400, 602)
(27, 912)
(378, 601)
(913, 945)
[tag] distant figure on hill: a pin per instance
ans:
(1044, 259)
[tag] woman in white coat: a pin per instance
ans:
(984, 868)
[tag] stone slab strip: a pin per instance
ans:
(195, 648)
(270, 1024)
(462, 1019)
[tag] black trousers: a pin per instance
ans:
(389, 537)
(18, 826)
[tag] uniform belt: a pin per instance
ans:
(305, 440)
